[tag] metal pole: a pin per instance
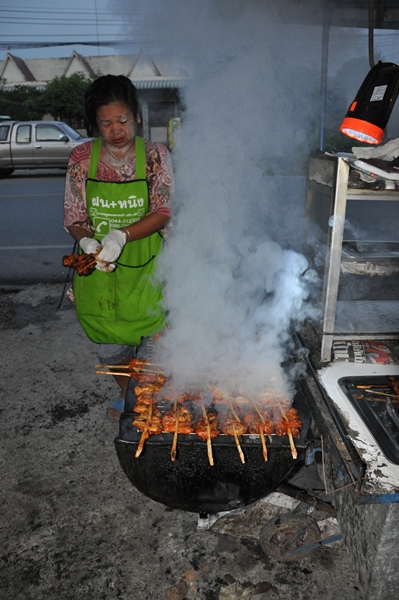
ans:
(146, 125)
(324, 73)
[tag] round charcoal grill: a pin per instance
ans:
(190, 482)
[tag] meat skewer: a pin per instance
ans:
(134, 364)
(261, 431)
(175, 434)
(177, 420)
(150, 423)
(240, 452)
(208, 436)
(235, 427)
(207, 428)
(182, 416)
(288, 425)
(84, 264)
(145, 433)
(115, 373)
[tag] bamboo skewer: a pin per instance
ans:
(138, 367)
(382, 394)
(136, 371)
(261, 432)
(240, 452)
(114, 373)
(235, 415)
(145, 433)
(294, 451)
(174, 445)
(208, 439)
(237, 418)
(370, 386)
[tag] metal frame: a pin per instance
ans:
(335, 170)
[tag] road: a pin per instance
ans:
(32, 241)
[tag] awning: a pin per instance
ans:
(160, 83)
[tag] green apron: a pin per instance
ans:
(123, 306)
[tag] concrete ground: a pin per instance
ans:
(72, 525)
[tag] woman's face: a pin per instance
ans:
(116, 124)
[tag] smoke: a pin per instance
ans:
(235, 279)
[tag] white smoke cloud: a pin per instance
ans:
(234, 283)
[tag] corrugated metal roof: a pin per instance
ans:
(159, 83)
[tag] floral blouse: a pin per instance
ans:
(159, 176)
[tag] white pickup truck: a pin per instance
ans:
(36, 145)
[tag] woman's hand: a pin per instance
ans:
(112, 246)
(89, 245)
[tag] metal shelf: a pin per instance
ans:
(327, 198)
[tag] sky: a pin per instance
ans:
(104, 21)
(56, 22)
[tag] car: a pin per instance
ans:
(36, 145)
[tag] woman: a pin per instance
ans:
(117, 201)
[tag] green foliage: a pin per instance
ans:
(63, 98)
(22, 103)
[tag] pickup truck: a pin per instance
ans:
(36, 145)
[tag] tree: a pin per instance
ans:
(63, 98)
(21, 103)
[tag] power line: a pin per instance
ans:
(5, 46)
(14, 12)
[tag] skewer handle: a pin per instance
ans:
(240, 452)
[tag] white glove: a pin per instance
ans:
(104, 266)
(112, 246)
(89, 245)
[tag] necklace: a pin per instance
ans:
(120, 160)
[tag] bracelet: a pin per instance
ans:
(127, 234)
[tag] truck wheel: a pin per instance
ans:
(277, 531)
(6, 172)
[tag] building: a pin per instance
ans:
(157, 79)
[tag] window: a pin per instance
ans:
(48, 133)
(4, 132)
(24, 134)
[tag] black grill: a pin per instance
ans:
(190, 482)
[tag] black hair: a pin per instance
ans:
(106, 90)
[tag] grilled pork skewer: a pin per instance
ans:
(208, 437)
(174, 445)
(207, 428)
(240, 452)
(261, 431)
(235, 427)
(150, 423)
(289, 425)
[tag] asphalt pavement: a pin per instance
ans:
(72, 525)
(32, 241)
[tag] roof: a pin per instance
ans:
(145, 72)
